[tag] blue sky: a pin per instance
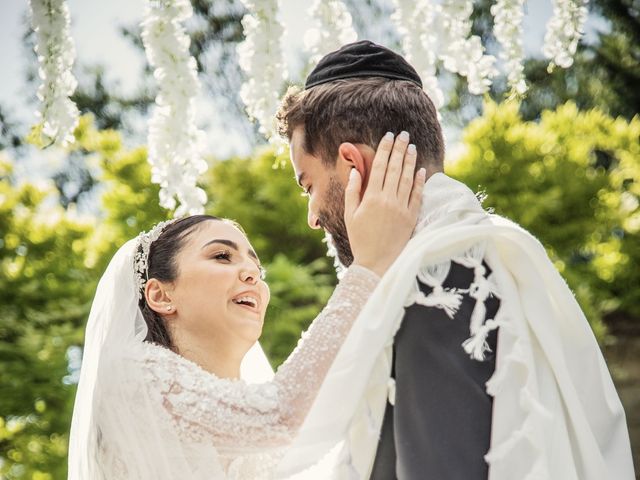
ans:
(95, 32)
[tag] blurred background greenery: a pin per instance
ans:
(564, 162)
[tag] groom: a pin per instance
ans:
(437, 422)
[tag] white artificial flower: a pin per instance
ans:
(332, 28)
(56, 53)
(262, 60)
(415, 22)
(435, 32)
(508, 16)
(564, 30)
(461, 52)
(175, 142)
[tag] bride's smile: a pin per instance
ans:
(248, 300)
(218, 298)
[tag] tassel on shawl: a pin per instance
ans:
(514, 360)
(537, 417)
(449, 300)
(481, 289)
(391, 387)
(476, 346)
(516, 368)
(446, 299)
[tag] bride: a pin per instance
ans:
(164, 392)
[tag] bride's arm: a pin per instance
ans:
(237, 415)
(300, 376)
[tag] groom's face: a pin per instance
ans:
(324, 186)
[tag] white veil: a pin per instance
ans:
(117, 430)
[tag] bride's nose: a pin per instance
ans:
(250, 273)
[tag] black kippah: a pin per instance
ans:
(362, 59)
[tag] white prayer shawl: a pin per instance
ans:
(556, 413)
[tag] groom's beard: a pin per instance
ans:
(331, 219)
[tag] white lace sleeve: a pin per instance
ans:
(232, 413)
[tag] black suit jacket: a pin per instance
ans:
(440, 425)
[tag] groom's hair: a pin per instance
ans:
(362, 110)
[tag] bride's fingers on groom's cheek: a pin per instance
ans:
(380, 160)
(415, 200)
(408, 173)
(394, 169)
(352, 193)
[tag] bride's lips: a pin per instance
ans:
(249, 300)
(247, 307)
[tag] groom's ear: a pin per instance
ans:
(358, 156)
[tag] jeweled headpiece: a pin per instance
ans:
(141, 258)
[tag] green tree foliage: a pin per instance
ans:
(605, 73)
(617, 55)
(51, 262)
(44, 289)
(573, 180)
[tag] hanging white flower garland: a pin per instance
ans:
(56, 53)
(332, 28)
(262, 59)
(564, 30)
(175, 142)
(508, 16)
(462, 52)
(433, 32)
(412, 20)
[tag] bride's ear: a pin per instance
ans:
(358, 156)
(158, 298)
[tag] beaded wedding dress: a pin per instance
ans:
(143, 411)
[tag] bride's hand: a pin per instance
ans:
(380, 223)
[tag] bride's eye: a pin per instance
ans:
(226, 255)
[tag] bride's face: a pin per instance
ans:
(219, 293)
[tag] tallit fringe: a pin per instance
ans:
(445, 299)
(476, 346)
(536, 415)
(449, 300)
(513, 360)
(525, 433)
(481, 289)
(391, 388)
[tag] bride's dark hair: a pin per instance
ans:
(162, 265)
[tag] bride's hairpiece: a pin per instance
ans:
(141, 258)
